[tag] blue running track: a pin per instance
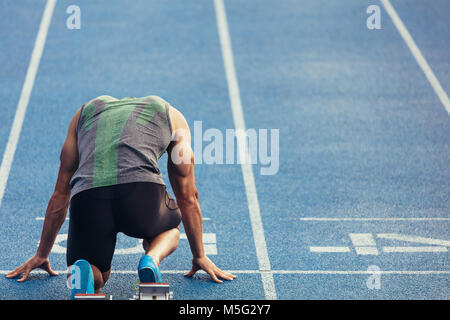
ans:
(359, 206)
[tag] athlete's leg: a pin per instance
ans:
(100, 278)
(92, 234)
(162, 245)
(147, 212)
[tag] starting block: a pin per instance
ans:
(96, 296)
(146, 291)
(153, 291)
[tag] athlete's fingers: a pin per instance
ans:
(231, 275)
(213, 276)
(25, 276)
(225, 275)
(15, 272)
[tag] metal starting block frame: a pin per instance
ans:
(146, 291)
(95, 296)
(153, 291)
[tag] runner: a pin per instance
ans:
(109, 174)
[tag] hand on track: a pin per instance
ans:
(33, 263)
(203, 263)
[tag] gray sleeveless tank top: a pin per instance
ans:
(120, 141)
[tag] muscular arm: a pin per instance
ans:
(181, 175)
(187, 199)
(180, 167)
(56, 209)
(59, 201)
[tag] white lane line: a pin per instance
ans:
(414, 249)
(373, 219)
(306, 272)
(423, 240)
(417, 54)
(22, 105)
(329, 249)
(247, 171)
(366, 250)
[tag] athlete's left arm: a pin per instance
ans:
(57, 206)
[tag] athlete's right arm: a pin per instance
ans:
(180, 167)
(57, 206)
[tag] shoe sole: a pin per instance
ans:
(147, 274)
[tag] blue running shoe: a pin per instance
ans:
(148, 271)
(82, 278)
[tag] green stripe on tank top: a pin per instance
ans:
(110, 126)
(109, 131)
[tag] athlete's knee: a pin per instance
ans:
(99, 279)
(176, 235)
(105, 276)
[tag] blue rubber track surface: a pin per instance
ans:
(363, 139)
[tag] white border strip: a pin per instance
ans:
(247, 171)
(417, 54)
(19, 117)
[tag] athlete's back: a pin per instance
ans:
(120, 141)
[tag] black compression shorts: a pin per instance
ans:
(140, 210)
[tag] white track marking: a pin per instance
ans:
(209, 242)
(207, 237)
(247, 171)
(423, 240)
(22, 105)
(373, 219)
(366, 250)
(329, 249)
(306, 272)
(417, 54)
(364, 243)
(414, 249)
(362, 239)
